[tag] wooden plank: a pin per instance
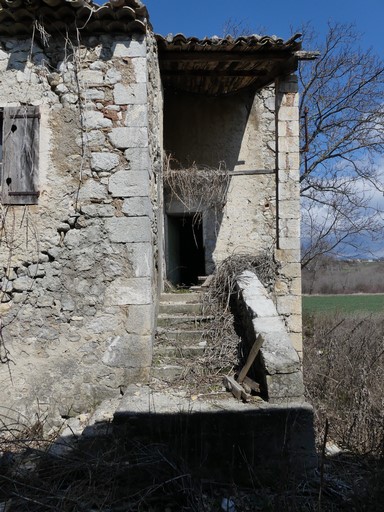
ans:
(252, 172)
(251, 357)
(235, 388)
(20, 155)
(253, 386)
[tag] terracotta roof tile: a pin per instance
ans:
(225, 65)
(17, 17)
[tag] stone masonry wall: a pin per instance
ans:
(77, 270)
(245, 132)
(288, 285)
(235, 132)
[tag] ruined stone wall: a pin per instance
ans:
(77, 269)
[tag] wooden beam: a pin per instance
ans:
(224, 56)
(214, 72)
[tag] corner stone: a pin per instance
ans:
(129, 229)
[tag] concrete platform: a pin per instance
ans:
(220, 438)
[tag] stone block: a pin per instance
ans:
(94, 120)
(294, 323)
(98, 210)
(93, 139)
(140, 256)
(131, 351)
(35, 271)
(137, 207)
(289, 208)
(136, 115)
(281, 287)
(289, 258)
(288, 128)
(129, 48)
(297, 343)
(289, 228)
(101, 324)
(123, 138)
(288, 144)
(92, 190)
(289, 242)
(22, 284)
(277, 353)
(140, 319)
(285, 387)
(93, 94)
(255, 296)
(89, 76)
(295, 286)
(112, 76)
(140, 69)
(104, 161)
(288, 191)
(267, 325)
(131, 94)
(124, 292)
(138, 158)
(288, 113)
(129, 229)
(287, 172)
(129, 184)
(290, 99)
(289, 305)
(73, 238)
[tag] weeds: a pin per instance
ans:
(223, 352)
(343, 372)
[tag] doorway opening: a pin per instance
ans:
(185, 249)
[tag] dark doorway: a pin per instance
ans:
(185, 249)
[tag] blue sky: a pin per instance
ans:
(208, 17)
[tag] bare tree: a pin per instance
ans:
(342, 129)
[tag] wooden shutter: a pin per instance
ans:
(20, 155)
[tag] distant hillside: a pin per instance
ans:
(330, 276)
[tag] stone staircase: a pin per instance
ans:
(180, 332)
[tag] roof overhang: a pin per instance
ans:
(218, 66)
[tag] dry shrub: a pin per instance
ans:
(198, 188)
(224, 349)
(343, 372)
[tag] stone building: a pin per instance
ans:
(91, 103)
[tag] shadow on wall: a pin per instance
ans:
(201, 132)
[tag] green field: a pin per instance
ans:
(357, 303)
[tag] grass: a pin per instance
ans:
(349, 304)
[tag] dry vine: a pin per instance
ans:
(198, 188)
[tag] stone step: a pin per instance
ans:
(181, 308)
(178, 352)
(167, 372)
(180, 335)
(186, 297)
(187, 321)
